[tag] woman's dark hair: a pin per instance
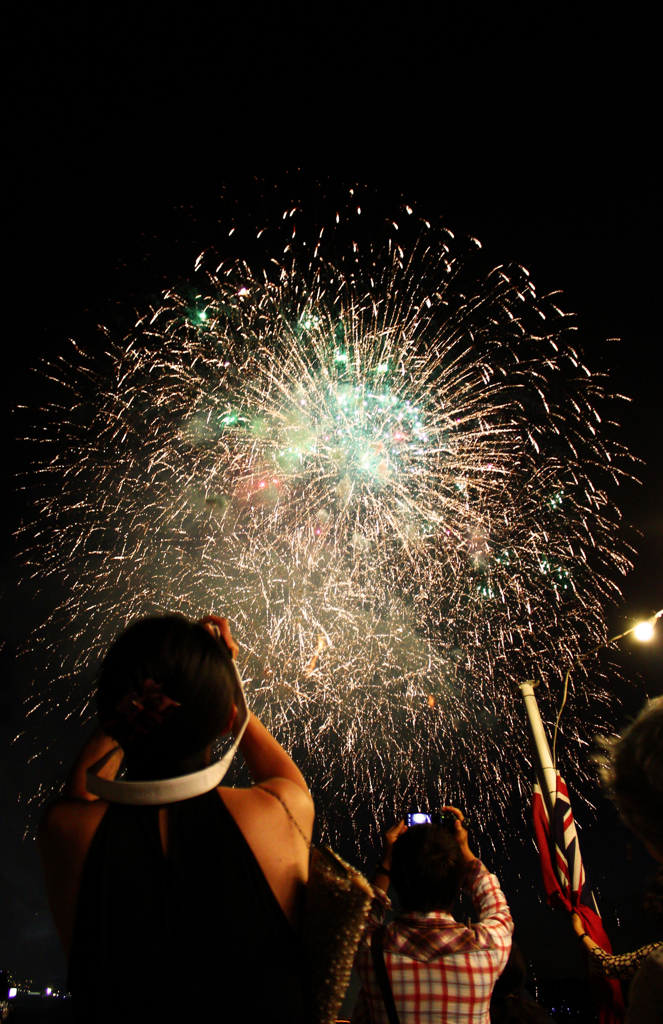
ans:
(632, 773)
(426, 869)
(185, 664)
(654, 897)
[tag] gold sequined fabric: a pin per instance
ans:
(338, 899)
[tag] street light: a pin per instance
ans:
(643, 631)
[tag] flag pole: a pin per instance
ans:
(564, 876)
(545, 768)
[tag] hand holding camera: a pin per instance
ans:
(451, 819)
(446, 818)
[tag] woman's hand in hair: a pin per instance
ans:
(220, 629)
(97, 746)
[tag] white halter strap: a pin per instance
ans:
(168, 791)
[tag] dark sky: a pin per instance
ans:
(541, 142)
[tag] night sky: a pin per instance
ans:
(540, 142)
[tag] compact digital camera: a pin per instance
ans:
(447, 819)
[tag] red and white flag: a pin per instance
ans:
(567, 885)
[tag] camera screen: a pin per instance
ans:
(418, 818)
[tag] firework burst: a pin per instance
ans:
(390, 474)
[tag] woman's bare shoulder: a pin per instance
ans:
(292, 795)
(269, 793)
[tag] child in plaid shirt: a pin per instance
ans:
(438, 969)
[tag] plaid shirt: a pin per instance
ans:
(439, 970)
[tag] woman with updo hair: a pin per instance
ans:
(176, 897)
(631, 769)
(195, 673)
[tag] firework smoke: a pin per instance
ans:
(389, 474)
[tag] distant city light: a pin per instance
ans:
(12, 993)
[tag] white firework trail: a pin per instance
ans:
(392, 477)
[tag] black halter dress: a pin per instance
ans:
(194, 936)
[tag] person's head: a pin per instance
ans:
(426, 868)
(633, 775)
(165, 692)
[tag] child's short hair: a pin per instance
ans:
(427, 867)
